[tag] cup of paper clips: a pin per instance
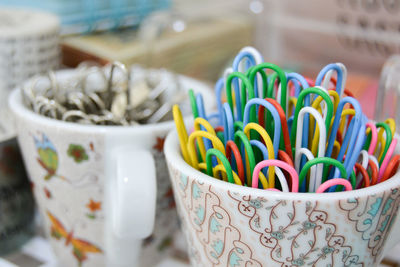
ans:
(287, 172)
(111, 95)
(92, 140)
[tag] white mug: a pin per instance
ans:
(230, 225)
(96, 186)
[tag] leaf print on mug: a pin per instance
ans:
(91, 146)
(184, 182)
(352, 261)
(199, 211)
(221, 243)
(77, 152)
(93, 206)
(256, 203)
(308, 225)
(217, 246)
(298, 262)
(214, 225)
(375, 207)
(234, 259)
(196, 191)
(326, 250)
(47, 193)
(278, 235)
(48, 157)
(241, 255)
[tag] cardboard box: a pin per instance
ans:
(201, 51)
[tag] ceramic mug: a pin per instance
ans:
(95, 186)
(231, 225)
(16, 200)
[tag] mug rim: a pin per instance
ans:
(173, 156)
(17, 106)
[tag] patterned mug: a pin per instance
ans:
(96, 186)
(230, 225)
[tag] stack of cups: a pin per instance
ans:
(28, 45)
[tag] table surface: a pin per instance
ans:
(37, 253)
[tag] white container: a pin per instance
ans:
(29, 44)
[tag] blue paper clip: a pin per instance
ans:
(202, 113)
(253, 58)
(227, 122)
(263, 149)
(219, 86)
(275, 115)
(339, 71)
(355, 125)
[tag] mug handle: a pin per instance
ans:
(132, 199)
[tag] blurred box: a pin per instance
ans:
(202, 50)
(87, 15)
(362, 34)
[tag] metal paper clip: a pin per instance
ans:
(109, 95)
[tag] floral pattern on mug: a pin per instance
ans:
(373, 218)
(93, 207)
(296, 233)
(221, 240)
(281, 232)
(47, 193)
(77, 152)
(75, 200)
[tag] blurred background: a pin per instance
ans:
(198, 39)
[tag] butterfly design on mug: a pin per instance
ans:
(80, 247)
(47, 156)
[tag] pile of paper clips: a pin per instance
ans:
(314, 134)
(109, 95)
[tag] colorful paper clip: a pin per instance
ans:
(284, 132)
